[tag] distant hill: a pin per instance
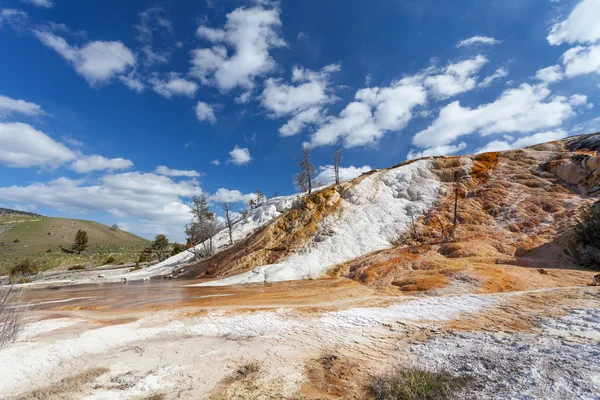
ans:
(8, 211)
(39, 238)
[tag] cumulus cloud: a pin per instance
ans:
(205, 112)
(524, 109)
(40, 3)
(302, 99)
(164, 170)
(173, 85)
(437, 151)
(581, 26)
(22, 146)
(216, 162)
(582, 60)
(10, 106)
(541, 137)
(456, 78)
(488, 80)
(495, 145)
(96, 162)
(98, 61)
(551, 74)
(239, 156)
(478, 40)
(154, 199)
(249, 34)
(327, 175)
(231, 196)
(373, 112)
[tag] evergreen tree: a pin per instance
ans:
(81, 241)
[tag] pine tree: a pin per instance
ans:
(81, 241)
(305, 178)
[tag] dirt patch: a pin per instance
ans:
(333, 376)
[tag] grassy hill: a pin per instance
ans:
(40, 239)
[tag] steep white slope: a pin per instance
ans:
(255, 219)
(376, 212)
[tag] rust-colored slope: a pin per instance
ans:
(273, 242)
(514, 211)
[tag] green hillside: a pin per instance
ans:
(40, 239)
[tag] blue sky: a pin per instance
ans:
(121, 111)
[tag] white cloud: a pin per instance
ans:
(581, 26)
(327, 175)
(231, 196)
(456, 78)
(299, 121)
(541, 137)
(22, 146)
(95, 162)
(495, 145)
(312, 89)
(551, 74)
(132, 82)
(524, 109)
(444, 150)
(374, 112)
(152, 199)
(173, 85)
(98, 62)
(152, 21)
(164, 170)
(9, 106)
(40, 3)
(499, 74)
(250, 33)
(581, 60)
(205, 112)
(303, 101)
(216, 162)
(16, 18)
(239, 156)
(478, 40)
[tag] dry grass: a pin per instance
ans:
(68, 388)
(416, 384)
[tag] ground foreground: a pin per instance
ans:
(320, 339)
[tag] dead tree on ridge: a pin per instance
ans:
(227, 206)
(305, 178)
(337, 160)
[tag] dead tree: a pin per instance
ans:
(304, 179)
(227, 206)
(203, 228)
(337, 160)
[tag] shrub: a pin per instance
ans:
(177, 248)
(16, 241)
(24, 268)
(585, 250)
(11, 317)
(413, 384)
(137, 267)
(49, 251)
(76, 267)
(110, 260)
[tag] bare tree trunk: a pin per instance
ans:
(226, 206)
(304, 179)
(337, 160)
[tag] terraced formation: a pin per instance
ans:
(468, 267)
